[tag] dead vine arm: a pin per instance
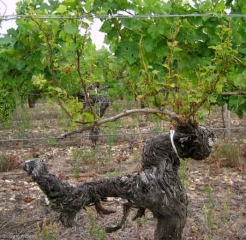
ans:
(125, 113)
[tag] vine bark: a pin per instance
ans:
(157, 187)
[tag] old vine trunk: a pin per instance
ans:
(157, 187)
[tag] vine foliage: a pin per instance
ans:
(186, 63)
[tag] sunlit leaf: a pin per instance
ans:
(70, 28)
(61, 9)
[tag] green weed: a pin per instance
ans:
(141, 220)
(47, 231)
(52, 142)
(208, 211)
(183, 173)
(112, 174)
(96, 232)
(225, 208)
(81, 156)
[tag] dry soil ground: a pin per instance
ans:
(217, 193)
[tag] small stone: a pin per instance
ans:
(9, 181)
(12, 198)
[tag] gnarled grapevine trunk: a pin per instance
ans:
(157, 188)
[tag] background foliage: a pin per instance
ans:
(183, 63)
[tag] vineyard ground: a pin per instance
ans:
(217, 193)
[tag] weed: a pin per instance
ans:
(157, 127)
(137, 224)
(183, 173)
(110, 144)
(227, 154)
(208, 211)
(225, 208)
(47, 231)
(112, 174)
(113, 127)
(8, 163)
(81, 156)
(63, 120)
(52, 142)
(141, 220)
(96, 232)
(116, 108)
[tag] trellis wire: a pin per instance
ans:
(85, 136)
(121, 16)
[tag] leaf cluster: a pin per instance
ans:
(177, 62)
(182, 62)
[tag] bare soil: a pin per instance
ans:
(217, 193)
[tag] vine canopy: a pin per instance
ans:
(160, 53)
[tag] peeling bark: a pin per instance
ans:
(157, 188)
